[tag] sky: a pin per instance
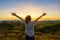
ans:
(34, 8)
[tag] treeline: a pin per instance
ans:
(52, 27)
(44, 26)
(10, 24)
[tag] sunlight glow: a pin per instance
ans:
(23, 10)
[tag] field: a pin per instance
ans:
(44, 30)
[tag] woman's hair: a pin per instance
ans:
(27, 19)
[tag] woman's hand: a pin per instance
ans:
(44, 14)
(13, 14)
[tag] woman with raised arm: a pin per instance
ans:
(29, 25)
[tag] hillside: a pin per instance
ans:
(44, 30)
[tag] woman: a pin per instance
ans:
(29, 25)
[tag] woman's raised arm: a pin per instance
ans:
(39, 17)
(18, 17)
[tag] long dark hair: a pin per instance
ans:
(28, 19)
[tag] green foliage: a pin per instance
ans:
(15, 30)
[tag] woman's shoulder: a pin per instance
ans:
(32, 22)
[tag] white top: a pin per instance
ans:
(29, 28)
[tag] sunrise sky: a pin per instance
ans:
(35, 8)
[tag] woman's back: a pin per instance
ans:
(29, 29)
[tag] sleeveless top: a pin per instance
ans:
(29, 29)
